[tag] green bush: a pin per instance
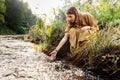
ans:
(106, 12)
(5, 31)
(103, 52)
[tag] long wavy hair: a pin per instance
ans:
(81, 19)
(76, 23)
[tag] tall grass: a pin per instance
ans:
(104, 52)
(47, 36)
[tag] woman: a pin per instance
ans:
(79, 30)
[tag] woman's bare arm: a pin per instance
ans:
(62, 42)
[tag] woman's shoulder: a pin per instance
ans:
(67, 29)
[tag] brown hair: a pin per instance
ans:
(73, 10)
(82, 19)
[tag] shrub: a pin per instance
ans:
(103, 52)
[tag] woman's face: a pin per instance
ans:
(71, 18)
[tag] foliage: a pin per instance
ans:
(15, 15)
(18, 16)
(45, 35)
(36, 31)
(5, 30)
(106, 12)
(103, 53)
(2, 11)
(41, 34)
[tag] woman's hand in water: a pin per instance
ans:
(53, 55)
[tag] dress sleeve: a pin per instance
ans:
(67, 29)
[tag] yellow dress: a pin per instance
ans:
(79, 40)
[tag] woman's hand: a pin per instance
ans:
(85, 28)
(53, 55)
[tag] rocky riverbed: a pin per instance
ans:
(19, 61)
